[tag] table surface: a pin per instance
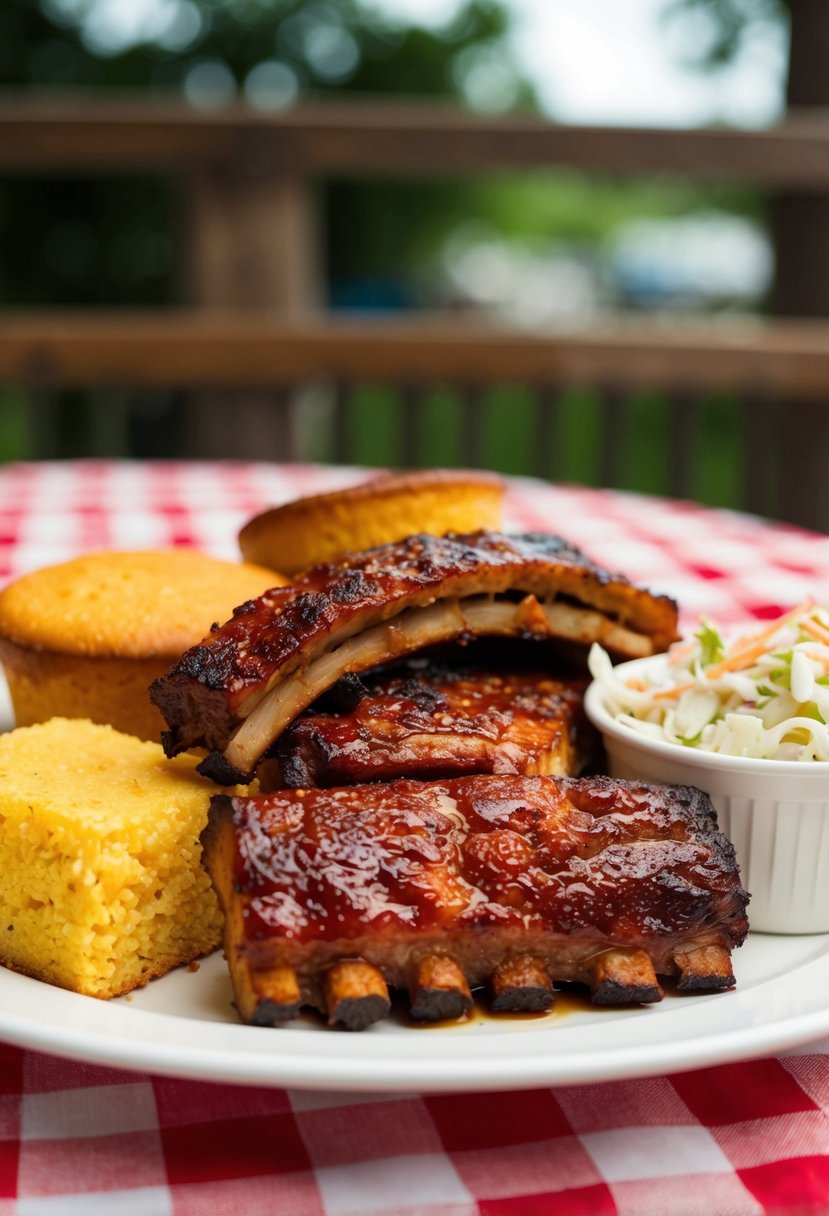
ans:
(744, 1138)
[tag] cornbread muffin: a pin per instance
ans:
(86, 638)
(101, 884)
(315, 529)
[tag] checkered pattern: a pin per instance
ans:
(727, 565)
(729, 1141)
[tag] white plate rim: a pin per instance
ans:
(682, 1033)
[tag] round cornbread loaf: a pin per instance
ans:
(86, 638)
(315, 529)
(101, 883)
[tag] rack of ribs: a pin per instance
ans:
(332, 896)
(236, 692)
(432, 720)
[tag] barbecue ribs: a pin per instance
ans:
(237, 692)
(331, 896)
(435, 720)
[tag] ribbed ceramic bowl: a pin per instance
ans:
(776, 812)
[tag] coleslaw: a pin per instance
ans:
(764, 694)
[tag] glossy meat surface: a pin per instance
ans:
(482, 866)
(272, 648)
(433, 720)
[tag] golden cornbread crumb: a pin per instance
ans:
(101, 884)
(86, 638)
(387, 508)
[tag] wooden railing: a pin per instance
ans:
(253, 365)
(251, 246)
(227, 350)
(386, 137)
(248, 236)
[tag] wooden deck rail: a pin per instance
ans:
(387, 137)
(189, 348)
(246, 178)
(254, 368)
(250, 244)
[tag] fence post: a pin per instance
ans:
(250, 241)
(801, 235)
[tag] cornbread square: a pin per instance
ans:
(101, 884)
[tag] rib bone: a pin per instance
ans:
(521, 985)
(439, 989)
(238, 689)
(708, 967)
(355, 994)
(413, 630)
(623, 976)
(276, 995)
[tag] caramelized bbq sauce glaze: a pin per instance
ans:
(203, 692)
(392, 725)
(590, 857)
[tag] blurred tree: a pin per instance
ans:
(96, 242)
(722, 27)
(800, 218)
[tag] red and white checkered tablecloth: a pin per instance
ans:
(745, 1138)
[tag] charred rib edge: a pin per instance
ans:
(277, 995)
(521, 985)
(708, 968)
(624, 976)
(439, 990)
(412, 630)
(355, 994)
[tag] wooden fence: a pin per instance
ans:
(252, 333)
(249, 234)
(253, 365)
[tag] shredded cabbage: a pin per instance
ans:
(764, 694)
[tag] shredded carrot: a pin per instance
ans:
(667, 694)
(637, 685)
(737, 662)
(815, 630)
(746, 650)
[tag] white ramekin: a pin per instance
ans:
(776, 812)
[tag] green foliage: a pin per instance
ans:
(725, 25)
(402, 226)
(504, 429)
(62, 43)
(586, 207)
(14, 432)
(108, 241)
